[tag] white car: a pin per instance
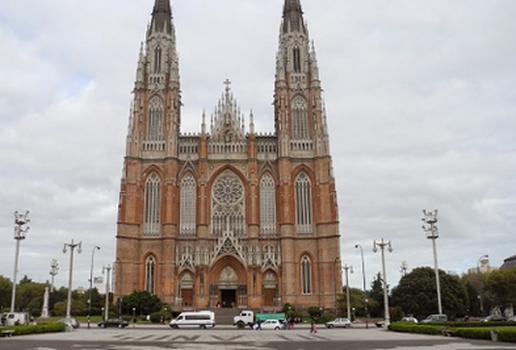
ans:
(269, 324)
(409, 319)
(341, 322)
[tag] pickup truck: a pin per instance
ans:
(249, 318)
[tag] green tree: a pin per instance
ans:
(416, 294)
(29, 296)
(56, 296)
(376, 302)
(6, 289)
(76, 308)
(356, 300)
(475, 284)
(143, 302)
(97, 301)
(501, 288)
(24, 280)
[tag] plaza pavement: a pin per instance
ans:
(229, 338)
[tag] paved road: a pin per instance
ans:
(227, 338)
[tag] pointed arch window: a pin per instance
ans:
(267, 206)
(297, 59)
(303, 198)
(157, 60)
(188, 206)
(150, 275)
(306, 275)
(155, 121)
(299, 119)
(227, 205)
(151, 225)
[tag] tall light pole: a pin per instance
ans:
(91, 282)
(72, 247)
(480, 261)
(366, 301)
(403, 268)
(382, 244)
(54, 268)
(432, 233)
(20, 230)
(107, 269)
(348, 269)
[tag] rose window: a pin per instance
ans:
(228, 206)
(227, 190)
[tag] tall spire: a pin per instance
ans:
(161, 17)
(293, 17)
(298, 97)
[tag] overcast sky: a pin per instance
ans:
(420, 97)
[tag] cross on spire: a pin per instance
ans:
(227, 82)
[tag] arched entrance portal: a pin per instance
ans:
(228, 287)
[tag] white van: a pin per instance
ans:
(201, 319)
(17, 318)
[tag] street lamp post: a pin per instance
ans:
(91, 283)
(54, 268)
(366, 301)
(107, 269)
(348, 270)
(432, 233)
(382, 244)
(403, 268)
(72, 247)
(479, 261)
(20, 230)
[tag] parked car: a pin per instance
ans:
(70, 322)
(269, 324)
(341, 322)
(113, 322)
(435, 318)
(409, 319)
(493, 318)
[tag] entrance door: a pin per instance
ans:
(187, 296)
(268, 297)
(228, 297)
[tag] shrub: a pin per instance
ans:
(38, 329)
(472, 331)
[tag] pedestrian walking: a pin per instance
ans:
(313, 327)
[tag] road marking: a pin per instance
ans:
(450, 346)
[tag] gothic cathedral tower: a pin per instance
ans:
(229, 217)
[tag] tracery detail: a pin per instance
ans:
(188, 206)
(267, 206)
(228, 205)
(303, 196)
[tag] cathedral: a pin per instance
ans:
(230, 216)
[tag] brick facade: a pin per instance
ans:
(229, 216)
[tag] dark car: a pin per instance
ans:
(114, 322)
